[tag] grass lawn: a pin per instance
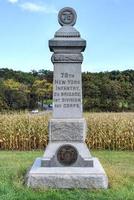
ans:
(118, 165)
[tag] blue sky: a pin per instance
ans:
(27, 25)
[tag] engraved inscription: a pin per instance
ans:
(67, 91)
(67, 17)
(67, 155)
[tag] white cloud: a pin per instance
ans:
(13, 1)
(34, 7)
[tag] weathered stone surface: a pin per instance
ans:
(67, 177)
(67, 130)
(67, 32)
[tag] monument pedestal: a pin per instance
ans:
(67, 162)
(85, 171)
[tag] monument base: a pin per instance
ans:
(67, 177)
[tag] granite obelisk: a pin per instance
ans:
(67, 162)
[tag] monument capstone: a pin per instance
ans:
(67, 162)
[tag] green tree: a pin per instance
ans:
(16, 94)
(43, 90)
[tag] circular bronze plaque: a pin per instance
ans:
(67, 155)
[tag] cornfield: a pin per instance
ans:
(113, 131)
(23, 131)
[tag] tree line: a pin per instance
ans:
(103, 91)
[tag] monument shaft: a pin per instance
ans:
(67, 92)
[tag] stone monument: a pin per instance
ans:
(67, 162)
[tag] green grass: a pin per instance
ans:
(118, 165)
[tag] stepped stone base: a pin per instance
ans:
(48, 172)
(67, 177)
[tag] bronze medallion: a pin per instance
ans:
(67, 155)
